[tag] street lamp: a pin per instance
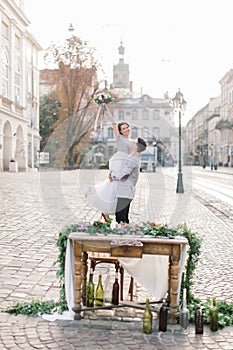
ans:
(154, 144)
(179, 103)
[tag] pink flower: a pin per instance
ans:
(152, 223)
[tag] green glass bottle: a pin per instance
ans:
(147, 319)
(90, 291)
(214, 316)
(99, 294)
(115, 291)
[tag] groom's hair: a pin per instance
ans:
(141, 145)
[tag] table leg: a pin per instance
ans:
(174, 282)
(77, 279)
(169, 282)
(84, 277)
(122, 282)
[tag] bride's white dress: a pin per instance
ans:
(103, 195)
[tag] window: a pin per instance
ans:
(121, 115)
(17, 82)
(5, 75)
(156, 133)
(134, 131)
(29, 53)
(5, 30)
(17, 42)
(156, 114)
(145, 114)
(134, 115)
(145, 133)
(110, 133)
(230, 97)
(110, 151)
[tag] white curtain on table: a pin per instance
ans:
(151, 271)
(69, 275)
(69, 287)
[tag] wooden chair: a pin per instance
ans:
(118, 268)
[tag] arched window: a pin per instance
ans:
(145, 133)
(110, 133)
(5, 75)
(18, 77)
(121, 115)
(134, 131)
(134, 114)
(156, 114)
(145, 114)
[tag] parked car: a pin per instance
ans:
(104, 165)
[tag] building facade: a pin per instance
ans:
(225, 124)
(149, 117)
(19, 90)
(209, 134)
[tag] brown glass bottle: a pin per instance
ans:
(115, 291)
(147, 319)
(214, 316)
(199, 320)
(163, 317)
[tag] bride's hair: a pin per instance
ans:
(120, 125)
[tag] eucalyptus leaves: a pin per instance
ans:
(36, 307)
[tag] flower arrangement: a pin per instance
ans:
(103, 97)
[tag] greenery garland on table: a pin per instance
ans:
(146, 229)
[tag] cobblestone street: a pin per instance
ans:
(35, 206)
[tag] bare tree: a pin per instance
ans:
(74, 79)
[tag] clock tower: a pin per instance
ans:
(121, 71)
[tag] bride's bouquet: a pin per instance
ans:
(103, 98)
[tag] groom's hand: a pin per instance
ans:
(110, 177)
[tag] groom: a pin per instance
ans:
(127, 180)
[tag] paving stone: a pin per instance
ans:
(28, 238)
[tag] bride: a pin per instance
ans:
(103, 195)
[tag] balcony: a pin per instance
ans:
(224, 124)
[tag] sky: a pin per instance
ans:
(169, 44)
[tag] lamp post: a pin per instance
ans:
(179, 103)
(154, 155)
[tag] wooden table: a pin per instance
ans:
(127, 246)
